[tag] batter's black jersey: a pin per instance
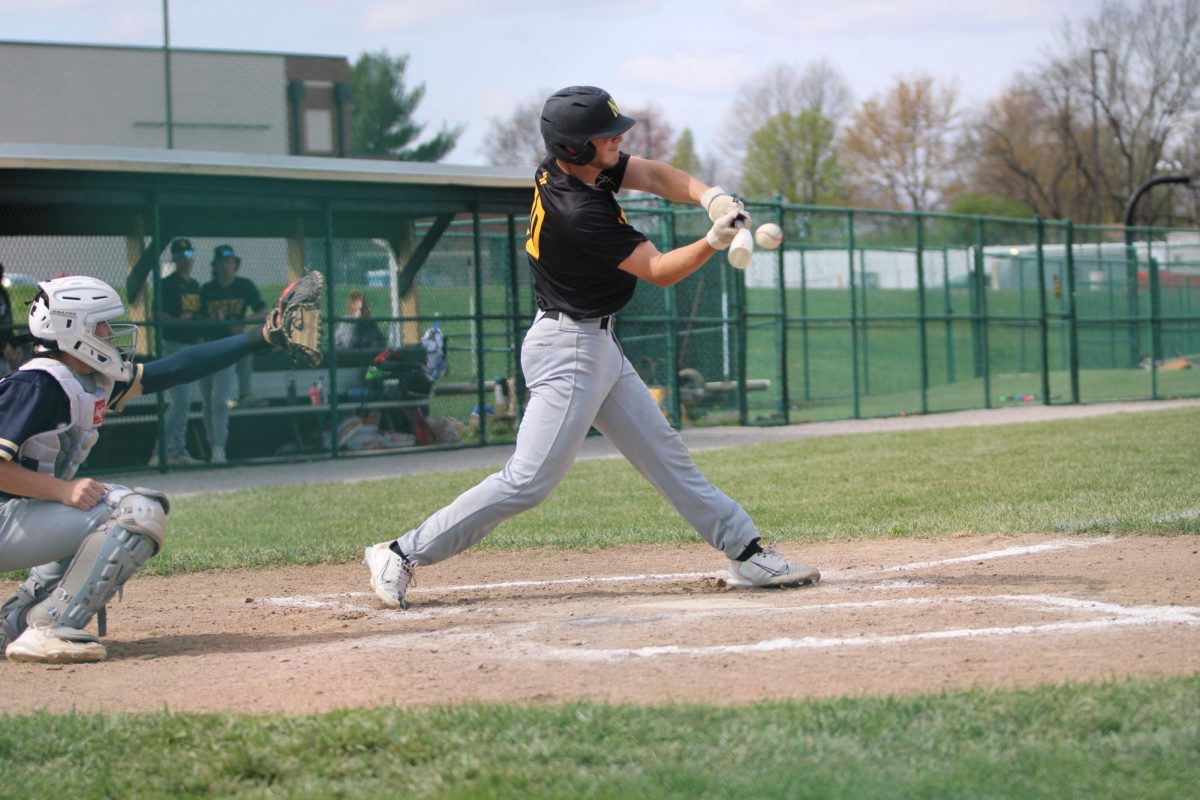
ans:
(577, 237)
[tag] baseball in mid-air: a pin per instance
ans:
(769, 236)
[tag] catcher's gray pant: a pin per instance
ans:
(38, 532)
(578, 377)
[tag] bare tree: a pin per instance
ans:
(1144, 98)
(1025, 146)
(781, 89)
(1187, 159)
(516, 140)
(899, 150)
(652, 136)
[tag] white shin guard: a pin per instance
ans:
(107, 558)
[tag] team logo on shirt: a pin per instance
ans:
(98, 413)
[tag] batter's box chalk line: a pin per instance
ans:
(1110, 616)
(331, 601)
(1102, 616)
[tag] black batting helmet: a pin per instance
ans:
(571, 117)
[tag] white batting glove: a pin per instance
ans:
(716, 201)
(721, 234)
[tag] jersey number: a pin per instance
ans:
(533, 234)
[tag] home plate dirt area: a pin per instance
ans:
(643, 625)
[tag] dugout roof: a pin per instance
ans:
(56, 190)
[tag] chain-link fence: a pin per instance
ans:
(860, 313)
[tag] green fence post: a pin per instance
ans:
(785, 403)
(982, 352)
(922, 343)
(865, 315)
(327, 208)
(670, 301)
(1022, 360)
(480, 364)
(1072, 315)
(804, 326)
(1131, 292)
(743, 321)
(1043, 308)
(948, 310)
(856, 412)
(160, 399)
(1155, 319)
(517, 390)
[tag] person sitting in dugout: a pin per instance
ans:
(82, 539)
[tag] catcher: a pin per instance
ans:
(82, 539)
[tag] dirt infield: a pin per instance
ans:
(643, 625)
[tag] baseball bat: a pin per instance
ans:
(741, 249)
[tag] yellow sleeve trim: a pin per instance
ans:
(132, 389)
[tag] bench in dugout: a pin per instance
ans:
(389, 385)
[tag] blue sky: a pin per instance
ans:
(478, 59)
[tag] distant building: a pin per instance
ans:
(244, 102)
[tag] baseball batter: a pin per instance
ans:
(586, 261)
(82, 539)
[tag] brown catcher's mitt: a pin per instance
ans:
(295, 322)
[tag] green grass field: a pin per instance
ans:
(1128, 739)
(1120, 474)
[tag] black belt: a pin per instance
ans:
(554, 313)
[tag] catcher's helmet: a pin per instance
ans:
(64, 316)
(571, 117)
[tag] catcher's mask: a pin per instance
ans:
(572, 117)
(64, 316)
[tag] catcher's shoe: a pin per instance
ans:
(12, 617)
(769, 568)
(390, 574)
(55, 645)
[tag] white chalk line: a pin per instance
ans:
(323, 601)
(1141, 617)
(1115, 615)
(1008, 552)
(518, 638)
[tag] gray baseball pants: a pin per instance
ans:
(578, 377)
(37, 532)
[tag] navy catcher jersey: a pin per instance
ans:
(576, 240)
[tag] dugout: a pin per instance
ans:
(424, 242)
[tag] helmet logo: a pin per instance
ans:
(612, 104)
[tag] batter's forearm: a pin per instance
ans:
(664, 180)
(669, 268)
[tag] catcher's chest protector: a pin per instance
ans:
(59, 452)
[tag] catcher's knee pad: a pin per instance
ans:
(107, 558)
(140, 510)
